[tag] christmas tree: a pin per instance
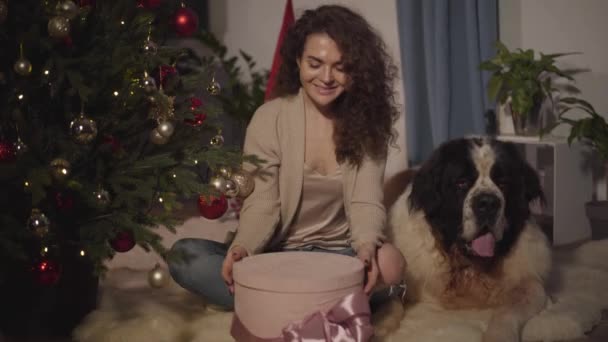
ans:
(102, 134)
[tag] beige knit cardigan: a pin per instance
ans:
(276, 134)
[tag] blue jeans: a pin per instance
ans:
(201, 271)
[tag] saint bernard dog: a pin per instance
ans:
(465, 228)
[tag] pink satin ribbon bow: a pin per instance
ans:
(347, 321)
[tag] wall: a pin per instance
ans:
(253, 26)
(564, 26)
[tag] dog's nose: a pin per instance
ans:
(486, 205)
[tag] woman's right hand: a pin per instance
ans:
(235, 254)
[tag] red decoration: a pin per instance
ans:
(123, 241)
(198, 120)
(195, 102)
(166, 73)
(288, 20)
(64, 202)
(46, 272)
(185, 22)
(113, 142)
(213, 207)
(149, 4)
(199, 116)
(7, 151)
(67, 41)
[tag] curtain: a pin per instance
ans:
(442, 43)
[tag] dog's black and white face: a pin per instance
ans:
(475, 194)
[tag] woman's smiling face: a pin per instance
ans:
(321, 70)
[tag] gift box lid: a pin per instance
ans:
(298, 272)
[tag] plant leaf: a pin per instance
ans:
(494, 86)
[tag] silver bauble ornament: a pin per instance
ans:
(158, 277)
(150, 48)
(244, 181)
(83, 129)
(38, 223)
(148, 84)
(23, 67)
(214, 87)
(157, 138)
(225, 171)
(20, 147)
(218, 182)
(231, 189)
(102, 197)
(3, 11)
(59, 27)
(217, 141)
(60, 169)
(165, 128)
(67, 8)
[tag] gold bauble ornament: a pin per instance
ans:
(38, 223)
(157, 138)
(225, 171)
(218, 182)
(83, 129)
(162, 107)
(60, 169)
(67, 8)
(150, 48)
(165, 128)
(217, 140)
(158, 277)
(59, 27)
(244, 181)
(23, 67)
(214, 87)
(3, 11)
(231, 189)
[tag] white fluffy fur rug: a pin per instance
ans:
(131, 311)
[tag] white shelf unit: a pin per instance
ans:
(567, 184)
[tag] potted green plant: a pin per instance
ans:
(592, 130)
(522, 82)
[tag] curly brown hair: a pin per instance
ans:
(364, 114)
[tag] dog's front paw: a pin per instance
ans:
(501, 333)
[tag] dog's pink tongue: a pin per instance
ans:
(484, 245)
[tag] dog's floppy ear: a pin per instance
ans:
(426, 185)
(532, 187)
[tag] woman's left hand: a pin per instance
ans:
(367, 254)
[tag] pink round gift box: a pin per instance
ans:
(275, 289)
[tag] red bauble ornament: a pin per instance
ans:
(185, 22)
(7, 151)
(212, 207)
(123, 241)
(46, 272)
(149, 4)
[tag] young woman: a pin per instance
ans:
(324, 139)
